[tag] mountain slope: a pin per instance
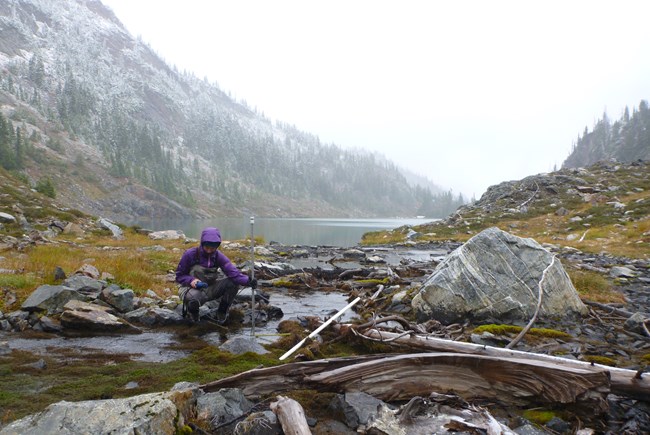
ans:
(122, 134)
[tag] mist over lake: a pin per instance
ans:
(289, 231)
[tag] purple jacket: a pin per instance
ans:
(218, 259)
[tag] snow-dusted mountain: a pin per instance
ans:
(122, 134)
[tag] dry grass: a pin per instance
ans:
(595, 287)
(130, 262)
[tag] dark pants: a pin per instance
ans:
(224, 289)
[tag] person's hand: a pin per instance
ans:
(252, 283)
(198, 284)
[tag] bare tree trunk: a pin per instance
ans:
(623, 382)
(291, 416)
(401, 377)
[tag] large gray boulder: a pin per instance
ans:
(51, 299)
(91, 317)
(495, 275)
(155, 414)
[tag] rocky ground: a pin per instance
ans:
(615, 332)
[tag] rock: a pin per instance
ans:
(121, 299)
(106, 224)
(222, 406)
(155, 413)
(622, 272)
(496, 275)
(151, 316)
(355, 408)
(82, 315)
(50, 325)
(635, 323)
(240, 345)
(38, 365)
(88, 270)
(167, 235)
(59, 274)
(7, 218)
(74, 229)
(84, 284)
(51, 299)
(354, 253)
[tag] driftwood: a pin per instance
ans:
(401, 377)
(623, 382)
(291, 416)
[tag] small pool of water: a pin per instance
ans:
(162, 344)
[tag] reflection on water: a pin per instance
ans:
(161, 344)
(288, 231)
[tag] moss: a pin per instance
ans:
(513, 329)
(602, 360)
(539, 416)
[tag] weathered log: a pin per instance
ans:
(623, 382)
(401, 377)
(291, 416)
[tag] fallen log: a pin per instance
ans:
(509, 381)
(291, 416)
(624, 382)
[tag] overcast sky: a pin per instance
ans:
(467, 93)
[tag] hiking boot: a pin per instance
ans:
(193, 310)
(221, 317)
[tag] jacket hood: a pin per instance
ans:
(211, 234)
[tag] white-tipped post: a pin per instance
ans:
(252, 277)
(319, 329)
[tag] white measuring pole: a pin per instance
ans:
(252, 277)
(319, 329)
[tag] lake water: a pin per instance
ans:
(288, 231)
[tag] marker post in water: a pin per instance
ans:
(319, 329)
(252, 277)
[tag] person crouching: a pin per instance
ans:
(197, 275)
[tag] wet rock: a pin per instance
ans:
(82, 315)
(240, 345)
(495, 275)
(221, 407)
(355, 408)
(51, 299)
(154, 413)
(151, 316)
(354, 253)
(48, 324)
